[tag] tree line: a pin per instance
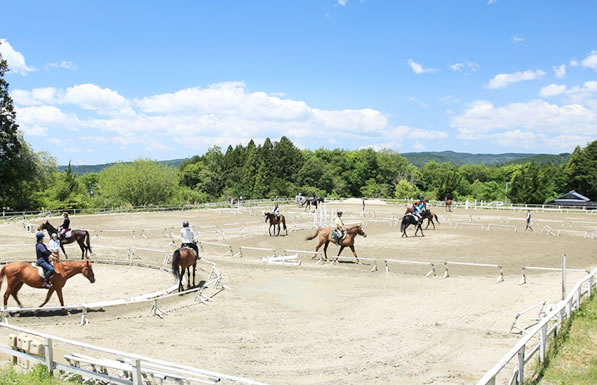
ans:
(31, 181)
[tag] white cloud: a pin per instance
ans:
(524, 124)
(590, 61)
(552, 90)
(15, 59)
(64, 64)
(491, 2)
(505, 80)
(31, 118)
(517, 39)
(472, 67)
(342, 2)
(573, 63)
(35, 97)
(560, 71)
(418, 68)
(94, 98)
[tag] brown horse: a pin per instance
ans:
(182, 259)
(448, 204)
(18, 273)
(427, 214)
(81, 236)
(273, 221)
(325, 237)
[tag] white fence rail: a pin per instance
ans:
(522, 352)
(125, 368)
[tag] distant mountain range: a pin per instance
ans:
(460, 158)
(416, 158)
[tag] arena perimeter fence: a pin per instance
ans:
(528, 345)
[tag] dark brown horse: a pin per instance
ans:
(410, 219)
(182, 259)
(273, 221)
(325, 237)
(427, 214)
(18, 273)
(313, 202)
(81, 236)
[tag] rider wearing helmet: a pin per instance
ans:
(187, 236)
(276, 211)
(64, 226)
(43, 259)
(339, 226)
(54, 244)
(417, 210)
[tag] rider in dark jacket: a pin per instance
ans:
(64, 226)
(43, 259)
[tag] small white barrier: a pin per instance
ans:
(514, 227)
(401, 261)
(456, 224)
(273, 251)
(229, 247)
(541, 314)
(357, 260)
(574, 232)
(523, 279)
(500, 277)
(282, 260)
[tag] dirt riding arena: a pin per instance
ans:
(319, 323)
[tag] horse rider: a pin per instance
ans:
(276, 211)
(43, 259)
(417, 210)
(340, 228)
(54, 244)
(64, 226)
(187, 236)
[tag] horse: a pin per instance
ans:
(81, 236)
(325, 237)
(182, 259)
(409, 219)
(313, 202)
(448, 204)
(427, 214)
(18, 273)
(273, 221)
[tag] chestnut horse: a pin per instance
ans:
(273, 221)
(81, 236)
(18, 273)
(182, 259)
(448, 204)
(325, 237)
(427, 214)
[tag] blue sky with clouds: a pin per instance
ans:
(96, 82)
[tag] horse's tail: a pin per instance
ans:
(284, 223)
(175, 258)
(403, 224)
(88, 241)
(311, 237)
(2, 274)
(436, 218)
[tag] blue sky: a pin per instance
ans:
(102, 81)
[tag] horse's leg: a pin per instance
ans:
(325, 250)
(82, 246)
(432, 222)
(278, 234)
(189, 277)
(64, 251)
(50, 292)
(428, 222)
(15, 291)
(317, 249)
(269, 229)
(354, 252)
(194, 268)
(340, 252)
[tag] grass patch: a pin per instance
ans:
(39, 375)
(572, 359)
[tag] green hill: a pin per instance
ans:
(460, 158)
(85, 169)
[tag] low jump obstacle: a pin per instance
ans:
(500, 277)
(535, 320)
(523, 279)
(404, 262)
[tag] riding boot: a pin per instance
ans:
(47, 278)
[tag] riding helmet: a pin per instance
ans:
(54, 235)
(339, 212)
(39, 235)
(185, 224)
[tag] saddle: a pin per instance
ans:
(337, 236)
(193, 250)
(40, 270)
(67, 235)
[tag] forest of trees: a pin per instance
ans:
(30, 181)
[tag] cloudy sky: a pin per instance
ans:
(102, 81)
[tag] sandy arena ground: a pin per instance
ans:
(321, 323)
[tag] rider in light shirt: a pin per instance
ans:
(54, 244)
(187, 236)
(340, 226)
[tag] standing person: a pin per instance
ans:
(187, 236)
(363, 204)
(528, 221)
(54, 245)
(65, 225)
(339, 226)
(43, 259)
